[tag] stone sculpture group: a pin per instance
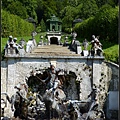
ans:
(96, 46)
(12, 47)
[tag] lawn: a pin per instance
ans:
(112, 53)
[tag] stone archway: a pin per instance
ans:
(54, 40)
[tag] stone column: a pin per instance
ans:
(96, 72)
(48, 40)
(10, 83)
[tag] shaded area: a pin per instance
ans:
(54, 40)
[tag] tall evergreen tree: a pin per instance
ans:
(43, 26)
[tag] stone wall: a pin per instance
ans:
(112, 101)
(89, 73)
(3, 76)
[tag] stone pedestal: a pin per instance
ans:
(79, 49)
(85, 52)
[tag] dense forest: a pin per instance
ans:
(99, 16)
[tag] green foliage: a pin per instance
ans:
(38, 29)
(84, 9)
(79, 11)
(14, 25)
(68, 15)
(73, 3)
(100, 3)
(59, 6)
(22, 8)
(104, 23)
(85, 28)
(43, 26)
(30, 6)
(112, 54)
(107, 23)
(89, 9)
(46, 8)
(17, 8)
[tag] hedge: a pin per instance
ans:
(104, 24)
(15, 26)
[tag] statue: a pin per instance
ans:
(12, 47)
(19, 102)
(74, 34)
(84, 109)
(54, 94)
(85, 44)
(33, 33)
(22, 42)
(96, 48)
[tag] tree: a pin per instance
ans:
(79, 11)
(59, 5)
(43, 26)
(107, 22)
(74, 3)
(17, 8)
(100, 3)
(45, 9)
(30, 6)
(68, 15)
(104, 24)
(89, 8)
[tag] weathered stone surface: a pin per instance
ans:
(88, 73)
(113, 87)
(3, 76)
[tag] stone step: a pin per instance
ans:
(52, 49)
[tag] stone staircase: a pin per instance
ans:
(53, 50)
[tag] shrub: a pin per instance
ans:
(107, 23)
(14, 25)
(112, 54)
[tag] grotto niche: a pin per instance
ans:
(53, 83)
